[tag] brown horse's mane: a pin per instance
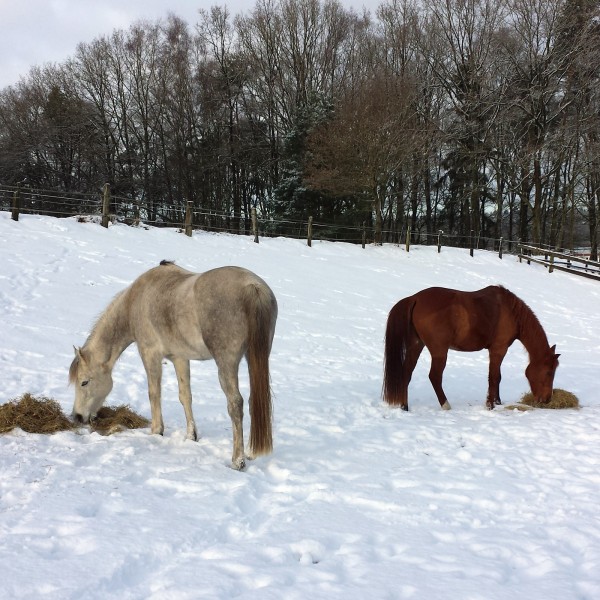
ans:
(530, 330)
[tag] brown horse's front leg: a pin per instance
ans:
(438, 364)
(494, 378)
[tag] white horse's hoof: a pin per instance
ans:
(446, 405)
(239, 464)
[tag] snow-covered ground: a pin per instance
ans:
(358, 500)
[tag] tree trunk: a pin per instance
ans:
(537, 201)
(378, 216)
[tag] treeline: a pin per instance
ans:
(457, 115)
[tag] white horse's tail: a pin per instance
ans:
(261, 312)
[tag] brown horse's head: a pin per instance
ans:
(93, 382)
(540, 374)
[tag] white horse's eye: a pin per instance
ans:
(84, 383)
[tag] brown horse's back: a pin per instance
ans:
(465, 321)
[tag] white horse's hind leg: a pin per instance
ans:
(182, 369)
(153, 365)
(228, 378)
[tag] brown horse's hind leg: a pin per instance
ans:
(438, 364)
(413, 351)
(182, 369)
(228, 378)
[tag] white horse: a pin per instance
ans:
(223, 314)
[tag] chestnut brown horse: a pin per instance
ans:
(444, 319)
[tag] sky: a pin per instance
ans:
(34, 32)
(358, 499)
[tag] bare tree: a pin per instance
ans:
(464, 66)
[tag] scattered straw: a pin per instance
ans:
(520, 407)
(44, 415)
(560, 399)
(111, 420)
(34, 415)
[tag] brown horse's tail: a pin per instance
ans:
(398, 332)
(261, 312)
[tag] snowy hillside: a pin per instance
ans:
(357, 500)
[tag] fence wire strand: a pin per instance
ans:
(121, 209)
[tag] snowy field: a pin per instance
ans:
(358, 500)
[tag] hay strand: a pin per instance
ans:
(44, 415)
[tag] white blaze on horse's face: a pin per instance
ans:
(92, 384)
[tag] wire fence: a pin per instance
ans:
(24, 200)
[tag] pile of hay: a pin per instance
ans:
(44, 415)
(112, 420)
(34, 415)
(560, 399)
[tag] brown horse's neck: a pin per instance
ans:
(529, 330)
(111, 334)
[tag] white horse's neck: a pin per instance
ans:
(112, 333)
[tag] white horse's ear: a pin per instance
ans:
(78, 354)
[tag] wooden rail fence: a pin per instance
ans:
(560, 261)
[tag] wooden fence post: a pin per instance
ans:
(189, 213)
(408, 239)
(551, 267)
(471, 242)
(254, 227)
(520, 247)
(309, 233)
(440, 233)
(501, 244)
(16, 203)
(105, 204)
(364, 234)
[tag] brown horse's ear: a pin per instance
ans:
(553, 349)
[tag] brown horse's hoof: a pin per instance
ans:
(404, 408)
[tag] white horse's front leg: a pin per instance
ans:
(182, 369)
(153, 365)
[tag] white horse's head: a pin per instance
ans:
(92, 381)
